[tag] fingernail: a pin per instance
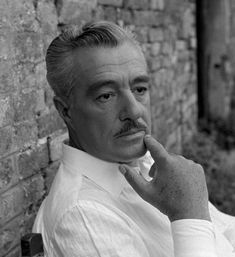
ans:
(147, 136)
(122, 170)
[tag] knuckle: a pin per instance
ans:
(199, 167)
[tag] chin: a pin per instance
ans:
(131, 154)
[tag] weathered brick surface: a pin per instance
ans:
(116, 3)
(24, 106)
(6, 111)
(74, 11)
(12, 203)
(156, 34)
(25, 134)
(157, 4)
(32, 161)
(31, 130)
(48, 123)
(147, 18)
(8, 173)
(9, 238)
(7, 144)
(133, 4)
(110, 13)
(7, 83)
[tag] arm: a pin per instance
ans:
(91, 229)
(178, 189)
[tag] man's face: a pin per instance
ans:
(110, 108)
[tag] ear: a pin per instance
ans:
(63, 109)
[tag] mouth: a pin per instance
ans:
(132, 132)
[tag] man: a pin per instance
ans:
(101, 84)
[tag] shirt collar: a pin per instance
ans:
(105, 174)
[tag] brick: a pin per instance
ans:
(40, 75)
(188, 24)
(147, 18)
(7, 142)
(125, 16)
(32, 161)
(10, 238)
(33, 192)
(156, 34)
(142, 34)
(8, 175)
(5, 15)
(28, 219)
(49, 94)
(98, 13)
(28, 76)
(15, 252)
(193, 42)
(55, 146)
(40, 104)
(23, 15)
(116, 3)
(157, 4)
(155, 48)
(28, 47)
(11, 203)
(7, 81)
(138, 5)
(49, 123)
(24, 106)
(25, 134)
(181, 45)
(47, 15)
(155, 63)
(6, 111)
(167, 48)
(77, 12)
(4, 47)
(110, 13)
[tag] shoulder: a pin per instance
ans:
(92, 228)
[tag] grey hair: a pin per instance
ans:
(59, 57)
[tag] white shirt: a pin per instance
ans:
(91, 211)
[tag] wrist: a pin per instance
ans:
(198, 214)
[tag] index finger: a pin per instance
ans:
(157, 151)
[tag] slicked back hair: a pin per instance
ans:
(59, 58)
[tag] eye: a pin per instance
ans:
(140, 90)
(105, 97)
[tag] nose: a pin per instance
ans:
(130, 108)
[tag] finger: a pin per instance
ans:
(153, 170)
(157, 151)
(136, 180)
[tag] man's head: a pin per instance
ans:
(99, 76)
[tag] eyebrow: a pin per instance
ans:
(102, 83)
(141, 79)
(99, 84)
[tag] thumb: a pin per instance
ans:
(135, 179)
(157, 151)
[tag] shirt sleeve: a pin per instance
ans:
(193, 238)
(225, 223)
(91, 229)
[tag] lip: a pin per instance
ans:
(132, 132)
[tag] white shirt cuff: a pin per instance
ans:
(193, 238)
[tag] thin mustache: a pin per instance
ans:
(131, 125)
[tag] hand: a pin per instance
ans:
(178, 187)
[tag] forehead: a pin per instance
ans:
(92, 63)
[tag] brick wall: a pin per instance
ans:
(31, 130)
